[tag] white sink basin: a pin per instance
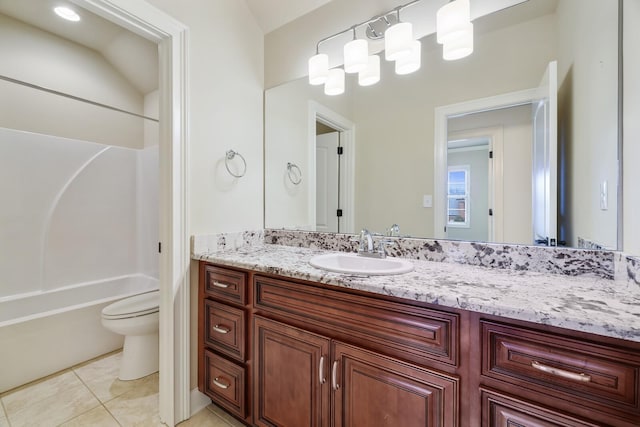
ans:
(350, 263)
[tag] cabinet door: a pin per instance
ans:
(372, 390)
(291, 387)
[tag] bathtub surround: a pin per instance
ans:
(67, 320)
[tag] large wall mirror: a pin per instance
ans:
(452, 150)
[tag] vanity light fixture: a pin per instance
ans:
(356, 54)
(454, 32)
(67, 13)
(335, 82)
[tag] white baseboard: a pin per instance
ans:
(199, 401)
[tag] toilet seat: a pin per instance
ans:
(138, 305)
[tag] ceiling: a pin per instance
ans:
(272, 14)
(133, 56)
(136, 58)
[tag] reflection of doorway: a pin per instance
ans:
(470, 188)
(542, 135)
(328, 212)
(331, 183)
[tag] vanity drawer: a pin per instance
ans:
(225, 329)
(225, 383)
(588, 374)
(503, 411)
(395, 329)
(229, 285)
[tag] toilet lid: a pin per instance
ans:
(134, 306)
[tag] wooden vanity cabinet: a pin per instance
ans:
(582, 379)
(328, 358)
(300, 353)
(224, 364)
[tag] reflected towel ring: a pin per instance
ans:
(230, 155)
(294, 177)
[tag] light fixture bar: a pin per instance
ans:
(375, 18)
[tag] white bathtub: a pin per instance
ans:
(45, 332)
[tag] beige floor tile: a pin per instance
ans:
(98, 417)
(224, 415)
(101, 376)
(4, 422)
(204, 418)
(137, 407)
(50, 402)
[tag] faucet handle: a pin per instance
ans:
(382, 244)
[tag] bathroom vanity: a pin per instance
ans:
(284, 344)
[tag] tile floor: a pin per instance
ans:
(91, 395)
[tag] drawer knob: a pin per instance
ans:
(219, 384)
(220, 284)
(584, 378)
(221, 329)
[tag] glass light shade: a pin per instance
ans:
(410, 63)
(66, 13)
(318, 69)
(397, 41)
(460, 47)
(452, 19)
(335, 82)
(370, 75)
(356, 55)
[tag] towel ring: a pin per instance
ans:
(230, 155)
(294, 177)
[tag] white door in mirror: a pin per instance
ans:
(350, 263)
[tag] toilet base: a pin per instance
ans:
(139, 356)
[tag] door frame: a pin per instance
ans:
(495, 136)
(172, 39)
(442, 115)
(322, 114)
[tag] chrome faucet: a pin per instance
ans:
(366, 242)
(367, 246)
(394, 231)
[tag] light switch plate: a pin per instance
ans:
(604, 196)
(427, 201)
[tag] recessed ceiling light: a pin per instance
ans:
(66, 13)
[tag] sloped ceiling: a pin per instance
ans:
(135, 57)
(272, 14)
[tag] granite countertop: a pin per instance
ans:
(588, 304)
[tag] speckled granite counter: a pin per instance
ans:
(589, 304)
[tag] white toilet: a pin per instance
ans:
(137, 319)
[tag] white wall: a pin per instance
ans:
(631, 134)
(41, 58)
(225, 68)
(588, 127)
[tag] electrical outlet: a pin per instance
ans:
(427, 201)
